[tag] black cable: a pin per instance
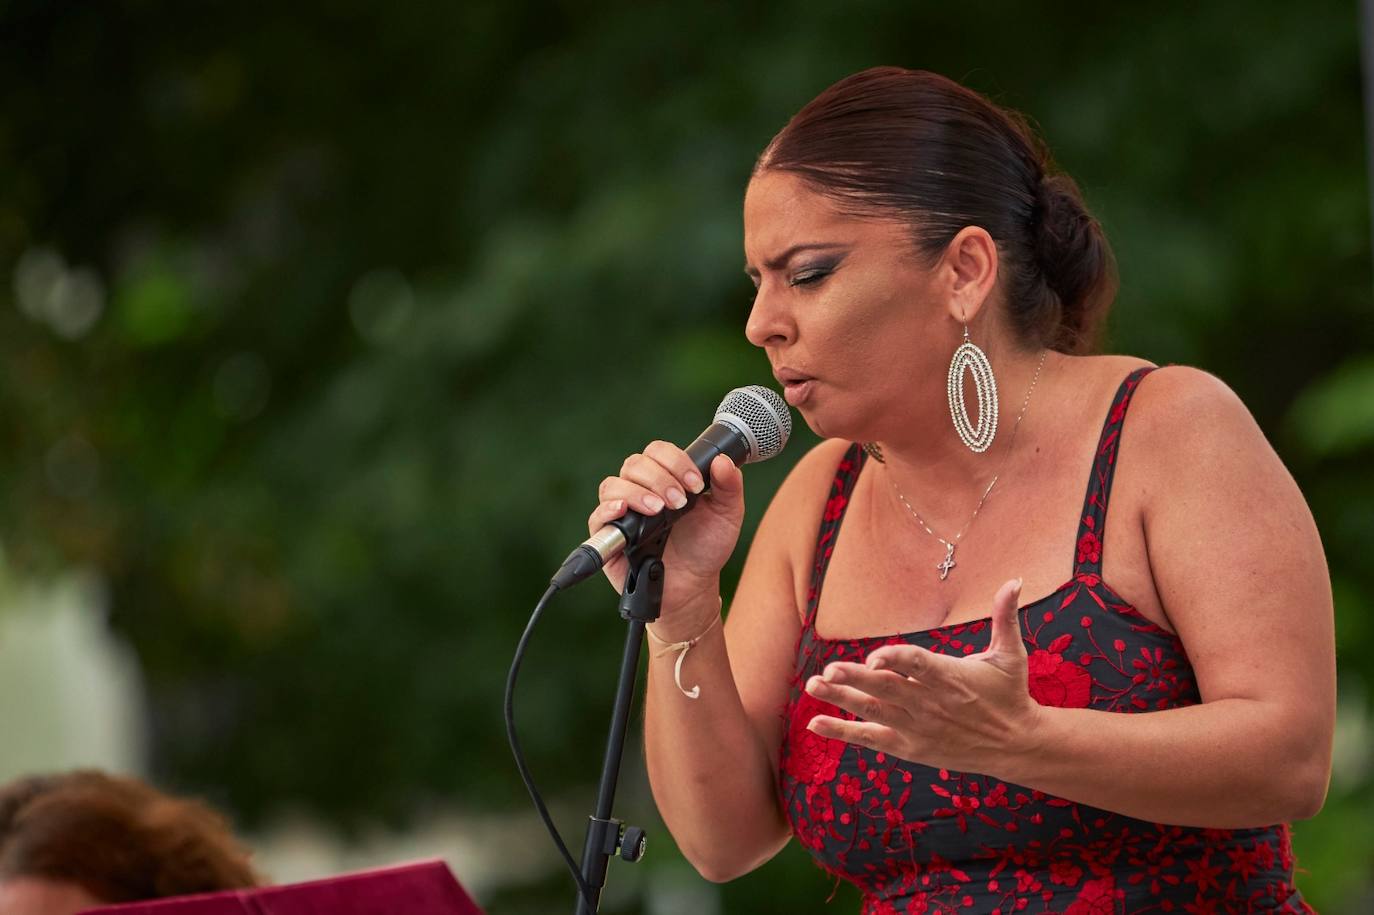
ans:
(520, 757)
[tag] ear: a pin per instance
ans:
(970, 266)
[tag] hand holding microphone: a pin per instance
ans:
(656, 490)
(698, 490)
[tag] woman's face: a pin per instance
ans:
(847, 316)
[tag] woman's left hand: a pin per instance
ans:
(967, 713)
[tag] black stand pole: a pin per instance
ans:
(640, 604)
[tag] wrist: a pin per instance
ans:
(671, 645)
(690, 619)
(1028, 755)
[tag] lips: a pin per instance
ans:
(787, 376)
(797, 393)
(796, 386)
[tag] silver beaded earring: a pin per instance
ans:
(976, 361)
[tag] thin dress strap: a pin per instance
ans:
(1092, 523)
(846, 475)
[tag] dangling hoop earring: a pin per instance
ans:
(976, 361)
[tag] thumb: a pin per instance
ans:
(1006, 621)
(727, 482)
(726, 478)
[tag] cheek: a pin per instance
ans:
(876, 342)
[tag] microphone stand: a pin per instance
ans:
(640, 604)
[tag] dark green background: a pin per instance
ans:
(326, 318)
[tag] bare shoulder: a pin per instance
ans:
(1184, 386)
(1223, 513)
(1231, 540)
(805, 490)
(1181, 414)
(800, 500)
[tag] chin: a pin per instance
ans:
(827, 422)
(832, 412)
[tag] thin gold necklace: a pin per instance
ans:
(948, 562)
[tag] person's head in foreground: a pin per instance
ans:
(76, 840)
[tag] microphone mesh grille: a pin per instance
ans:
(764, 416)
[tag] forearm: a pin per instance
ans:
(712, 778)
(1229, 763)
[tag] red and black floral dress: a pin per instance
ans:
(918, 839)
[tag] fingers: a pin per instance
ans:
(605, 513)
(874, 695)
(659, 486)
(616, 571)
(911, 661)
(674, 460)
(862, 733)
(661, 476)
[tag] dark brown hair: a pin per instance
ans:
(920, 147)
(116, 837)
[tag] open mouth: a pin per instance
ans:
(797, 391)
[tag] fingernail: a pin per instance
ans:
(615, 506)
(1018, 586)
(694, 482)
(675, 497)
(813, 684)
(653, 503)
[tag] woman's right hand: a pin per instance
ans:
(702, 540)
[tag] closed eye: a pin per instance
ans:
(807, 279)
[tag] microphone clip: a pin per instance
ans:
(642, 598)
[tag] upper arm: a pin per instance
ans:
(764, 619)
(1235, 554)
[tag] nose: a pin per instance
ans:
(769, 322)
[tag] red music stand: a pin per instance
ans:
(424, 888)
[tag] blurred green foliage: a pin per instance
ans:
(322, 321)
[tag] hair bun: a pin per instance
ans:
(1072, 251)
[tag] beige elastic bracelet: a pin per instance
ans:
(683, 648)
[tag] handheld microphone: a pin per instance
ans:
(752, 424)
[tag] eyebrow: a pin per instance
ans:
(781, 260)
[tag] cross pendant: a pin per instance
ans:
(949, 562)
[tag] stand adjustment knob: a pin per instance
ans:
(633, 844)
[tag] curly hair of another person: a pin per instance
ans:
(117, 837)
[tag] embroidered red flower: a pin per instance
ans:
(812, 759)
(1052, 682)
(849, 789)
(1098, 897)
(1089, 547)
(1064, 872)
(834, 507)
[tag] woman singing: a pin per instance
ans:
(1135, 735)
